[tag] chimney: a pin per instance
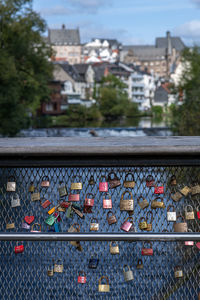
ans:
(169, 44)
(63, 26)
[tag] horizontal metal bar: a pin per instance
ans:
(99, 237)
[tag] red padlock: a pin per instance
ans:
(126, 226)
(107, 201)
(74, 197)
(65, 204)
(159, 189)
(147, 251)
(89, 200)
(150, 181)
(19, 248)
(81, 277)
(198, 213)
(198, 245)
(103, 186)
(45, 204)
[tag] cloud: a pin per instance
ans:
(89, 6)
(189, 31)
(56, 10)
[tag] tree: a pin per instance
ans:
(24, 66)
(113, 98)
(186, 117)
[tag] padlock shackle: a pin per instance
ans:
(76, 226)
(115, 243)
(94, 220)
(180, 216)
(45, 177)
(171, 206)
(36, 224)
(189, 206)
(11, 177)
(89, 194)
(149, 178)
(103, 277)
(140, 197)
(107, 195)
(129, 174)
(139, 262)
(80, 273)
(165, 230)
(126, 266)
(158, 198)
(103, 176)
(147, 216)
(112, 173)
(125, 192)
(142, 218)
(147, 242)
(129, 218)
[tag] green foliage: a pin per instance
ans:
(24, 66)
(186, 117)
(157, 110)
(113, 99)
(132, 110)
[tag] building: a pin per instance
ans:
(66, 44)
(163, 96)
(158, 59)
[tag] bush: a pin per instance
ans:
(157, 110)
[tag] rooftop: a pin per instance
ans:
(64, 36)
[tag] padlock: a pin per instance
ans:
(64, 204)
(81, 277)
(62, 189)
(52, 210)
(114, 248)
(10, 225)
(74, 228)
(180, 227)
(127, 205)
(140, 265)
(103, 185)
(25, 226)
(45, 204)
(50, 271)
(157, 204)
(128, 223)
(178, 272)
(185, 190)
(56, 227)
(189, 243)
(35, 196)
(70, 212)
(87, 209)
(31, 187)
(58, 267)
(176, 196)
(173, 181)
(78, 212)
(171, 215)
(128, 274)
(198, 245)
(144, 203)
(15, 201)
(104, 288)
(19, 248)
(149, 223)
(89, 200)
(150, 182)
(107, 201)
(91, 180)
(159, 188)
(29, 219)
(189, 215)
(61, 208)
(198, 213)
(94, 225)
(38, 229)
(195, 189)
(45, 182)
(111, 218)
(113, 182)
(76, 185)
(73, 197)
(147, 251)
(129, 183)
(57, 216)
(93, 262)
(142, 223)
(11, 184)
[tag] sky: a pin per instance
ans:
(132, 22)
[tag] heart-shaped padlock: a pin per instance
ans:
(29, 219)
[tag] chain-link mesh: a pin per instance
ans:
(24, 276)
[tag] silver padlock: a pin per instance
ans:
(189, 215)
(128, 274)
(171, 215)
(15, 201)
(11, 184)
(62, 189)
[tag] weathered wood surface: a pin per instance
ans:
(100, 146)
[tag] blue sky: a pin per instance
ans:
(130, 21)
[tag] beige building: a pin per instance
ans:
(66, 45)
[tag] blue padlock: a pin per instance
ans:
(56, 227)
(93, 262)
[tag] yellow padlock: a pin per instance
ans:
(52, 210)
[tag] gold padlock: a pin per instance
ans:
(173, 180)
(31, 187)
(35, 196)
(114, 248)
(178, 272)
(140, 265)
(129, 183)
(127, 205)
(157, 204)
(58, 267)
(195, 189)
(76, 185)
(144, 203)
(75, 228)
(189, 215)
(10, 225)
(149, 225)
(185, 191)
(94, 225)
(104, 287)
(142, 224)
(50, 271)
(176, 196)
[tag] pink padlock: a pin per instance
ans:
(74, 197)
(107, 201)
(198, 245)
(89, 200)
(198, 213)
(189, 243)
(126, 226)
(103, 186)
(159, 189)
(81, 277)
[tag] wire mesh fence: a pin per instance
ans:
(25, 275)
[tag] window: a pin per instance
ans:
(49, 107)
